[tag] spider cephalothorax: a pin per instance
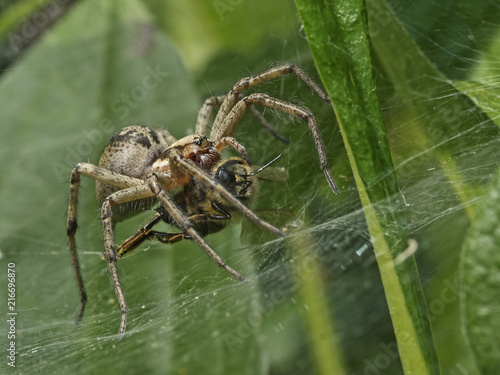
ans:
(194, 189)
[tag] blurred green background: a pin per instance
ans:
(68, 85)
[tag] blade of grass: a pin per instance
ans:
(327, 356)
(337, 37)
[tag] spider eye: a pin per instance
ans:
(199, 140)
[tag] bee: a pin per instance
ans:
(207, 210)
(195, 189)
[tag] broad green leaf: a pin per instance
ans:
(103, 67)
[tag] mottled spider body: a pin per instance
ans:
(194, 189)
(137, 151)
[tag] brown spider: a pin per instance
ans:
(197, 191)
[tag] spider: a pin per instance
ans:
(196, 191)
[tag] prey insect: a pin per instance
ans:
(209, 213)
(194, 188)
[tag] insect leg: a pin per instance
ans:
(168, 238)
(71, 227)
(138, 238)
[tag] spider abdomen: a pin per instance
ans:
(130, 152)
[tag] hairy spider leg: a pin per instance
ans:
(96, 173)
(219, 130)
(239, 109)
(204, 113)
(202, 122)
(224, 141)
(278, 71)
(120, 196)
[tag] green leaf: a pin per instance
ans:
(483, 95)
(480, 261)
(61, 103)
(443, 127)
(16, 13)
(480, 270)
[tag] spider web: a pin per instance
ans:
(185, 314)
